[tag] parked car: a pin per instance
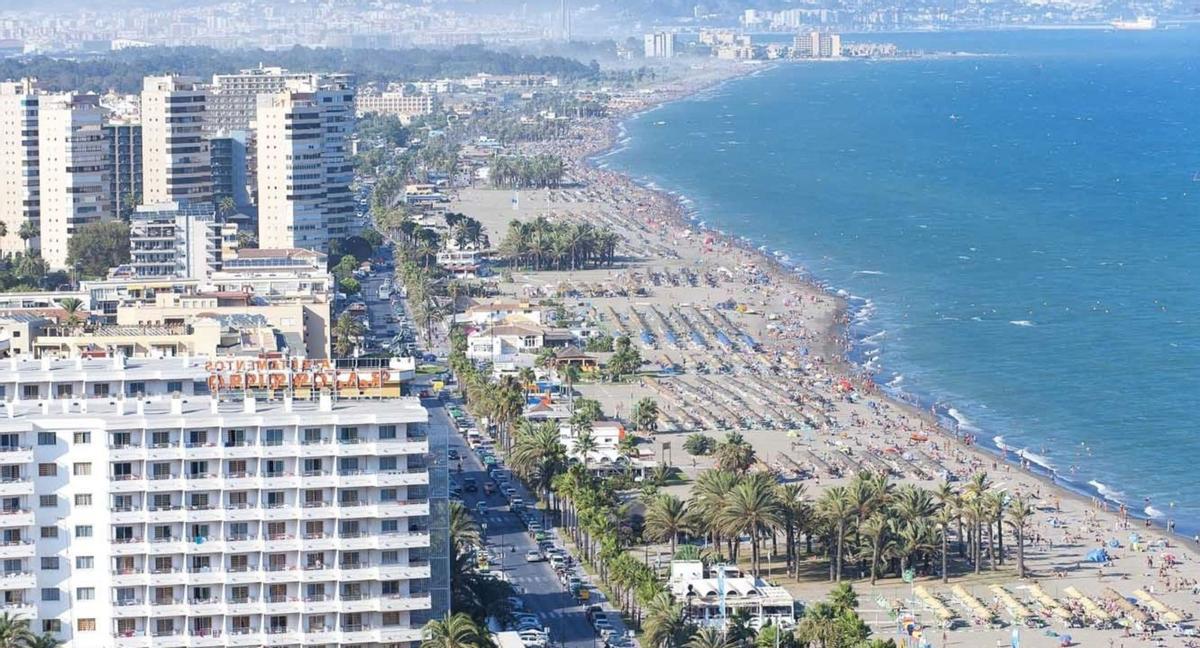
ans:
(534, 556)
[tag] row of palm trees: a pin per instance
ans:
(521, 172)
(872, 523)
(542, 244)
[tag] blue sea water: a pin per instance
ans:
(1024, 224)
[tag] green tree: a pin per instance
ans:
(665, 625)
(96, 247)
(699, 445)
(14, 631)
(666, 517)
(457, 631)
(28, 230)
(347, 333)
(70, 306)
(464, 531)
(645, 415)
(1017, 517)
(735, 454)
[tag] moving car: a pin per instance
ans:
(534, 556)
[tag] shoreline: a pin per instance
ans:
(845, 349)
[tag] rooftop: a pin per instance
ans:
(202, 411)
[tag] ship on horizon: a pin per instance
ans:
(1141, 23)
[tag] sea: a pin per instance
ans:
(1017, 227)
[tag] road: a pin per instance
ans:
(506, 536)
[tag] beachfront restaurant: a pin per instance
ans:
(703, 595)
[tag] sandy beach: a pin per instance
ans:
(763, 350)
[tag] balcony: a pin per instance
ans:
(401, 602)
(15, 455)
(126, 608)
(15, 486)
(127, 483)
(128, 577)
(126, 452)
(402, 478)
(131, 638)
(17, 580)
(13, 517)
(128, 546)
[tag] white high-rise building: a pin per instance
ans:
(178, 520)
(659, 45)
(176, 161)
(173, 240)
(233, 98)
(18, 161)
(73, 168)
(304, 166)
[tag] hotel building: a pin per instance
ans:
(183, 520)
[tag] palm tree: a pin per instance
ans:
(752, 509)
(1017, 516)
(709, 496)
(226, 207)
(944, 518)
(457, 631)
(665, 625)
(27, 231)
(794, 500)
(709, 637)
(14, 631)
(538, 455)
(645, 415)
(464, 531)
(838, 511)
(347, 331)
(873, 531)
(585, 444)
(666, 517)
(44, 640)
(70, 306)
(735, 454)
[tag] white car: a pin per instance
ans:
(534, 556)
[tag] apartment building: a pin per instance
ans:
(187, 521)
(176, 161)
(18, 161)
(175, 240)
(233, 98)
(73, 168)
(125, 154)
(304, 166)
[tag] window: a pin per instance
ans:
(82, 469)
(273, 437)
(389, 557)
(83, 499)
(47, 470)
(86, 625)
(30, 392)
(85, 593)
(160, 439)
(348, 466)
(50, 562)
(389, 526)
(48, 532)
(387, 431)
(348, 435)
(199, 387)
(85, 562)
(83, 437)
(174, 386)
(312, 435)
(121, 439)
(47, 501)
(275, 499)
(135, 389)
(83, 531)
(100, 390)
(49, 594)
(64, 391)
(387, 463)
(47, 438)
(51, 625)
(387, 495)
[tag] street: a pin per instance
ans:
(507, 539)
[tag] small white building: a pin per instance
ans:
(503, 342)
(497, 312)
(705, 591)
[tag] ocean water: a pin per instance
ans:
(1021, 230)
